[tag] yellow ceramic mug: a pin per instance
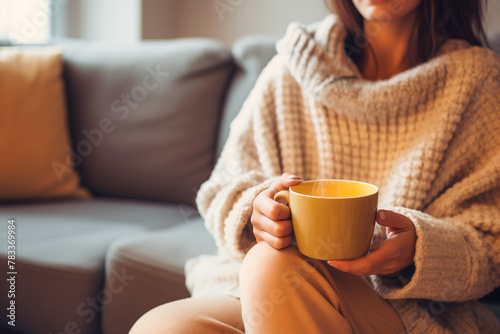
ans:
(332, 219)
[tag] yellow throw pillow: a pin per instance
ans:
(34, 134)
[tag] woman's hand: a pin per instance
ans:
(271, 220)
(391, 256)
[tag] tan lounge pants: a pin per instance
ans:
(281, 292)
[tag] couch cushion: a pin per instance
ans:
(493, 307)
(492, 301)
(61, 249)
(34, 130)
(156, 260)
(144, 118)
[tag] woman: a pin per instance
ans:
(396, 93)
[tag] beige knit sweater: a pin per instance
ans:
(429, 138)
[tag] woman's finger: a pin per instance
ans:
(276, 242)
(272, 209)
(393, 219)
(275, 228)
(387, 259)
(286, 181)
(363, 266)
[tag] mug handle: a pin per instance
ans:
(285, 194)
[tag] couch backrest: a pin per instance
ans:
(251, 54)
(144, 119)
(494, 40)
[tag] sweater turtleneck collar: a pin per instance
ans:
(316, 58)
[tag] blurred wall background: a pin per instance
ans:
(118, 21)
(129, 21)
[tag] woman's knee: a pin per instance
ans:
(211, 314)
(265, 266)
(162, 319)
(173, 317)
(262, 260)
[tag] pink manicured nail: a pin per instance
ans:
(381, 215)
(294, 178)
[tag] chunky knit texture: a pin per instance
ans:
(429, 138)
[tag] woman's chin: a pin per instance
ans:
(385, 10)
(377, 13)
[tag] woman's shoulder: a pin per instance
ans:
(275, 74)
(277, 67)
(481, 60)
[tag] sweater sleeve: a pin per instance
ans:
(248, 164)
(457, 253)
(454, 260)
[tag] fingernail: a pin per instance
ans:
(294, 178)
(381, 215)
(333, 264)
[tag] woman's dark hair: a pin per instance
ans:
(461, 19)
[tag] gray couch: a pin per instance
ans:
(98, 265)
(95, 266)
